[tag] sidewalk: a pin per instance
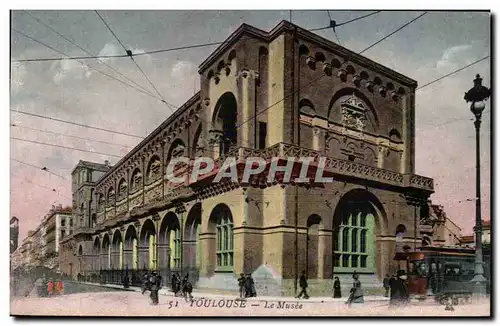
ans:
(166, 292)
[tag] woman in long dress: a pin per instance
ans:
(336, 288)
(356, 295)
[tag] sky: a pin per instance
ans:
(431, 47)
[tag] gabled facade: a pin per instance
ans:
(286, 93)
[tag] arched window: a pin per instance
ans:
(136, 182)
(352, 249)
(225, 244)
(175, 243)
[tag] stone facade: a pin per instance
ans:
(270, 96)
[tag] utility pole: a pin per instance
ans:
(295, 135)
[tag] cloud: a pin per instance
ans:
(453, 55)
(18, 75)
(70, 69)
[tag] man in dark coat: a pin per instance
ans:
(175, 283)
(400, 295)
(336, 288)
(241, 284)
(303, 286)
(155, 285)
(250, 287)
(387, 286)
(146, 282)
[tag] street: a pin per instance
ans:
(131, 303)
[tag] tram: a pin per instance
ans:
(444, 273)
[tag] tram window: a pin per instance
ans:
(420, 269)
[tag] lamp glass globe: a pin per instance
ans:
(479, 105)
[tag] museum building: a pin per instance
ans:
(274, 95)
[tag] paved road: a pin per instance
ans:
(131, 303)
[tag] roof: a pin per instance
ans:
(285, 26)
(13, 219)
(92, 165)
(152, 135)
(467, 238)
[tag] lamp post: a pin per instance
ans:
(477, 95)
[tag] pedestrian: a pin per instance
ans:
(336, 288)
(400, 295)
(187, 289)
(303, 286)
(154, 284)
(356, 295)
(253, 291)
(50, 288)
(145, 282)
(175, 283)
(387, 286)
(59, 287)
(125, 280)
(241, 284)
(40, 287)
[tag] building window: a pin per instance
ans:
(351, 250)
(176, 248)
(262, 134)
(224, 235)
(63, 222)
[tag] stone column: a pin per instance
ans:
(325, 253)
(247, 121)
(143, 253)
(316, 139)
(207, 243)
(189, 258)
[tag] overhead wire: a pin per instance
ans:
(71, 136)
(440, 78)
(323, 76)
(39, 185)
(427, 84)
(64, 147)
(76, 124)
(165, 50)
(344, 23)
(453, 72)
(39, 168)
(397, 30)
(82, 63)
(84, 50)
(129, 53)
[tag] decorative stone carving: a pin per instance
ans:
(327, 68)
(227, 69)
(394, 96)
(311, 62)
(122, 191)
(382, 90)
(178, 151)
(217, 78)
(155, 170)
(206, 101)
(356, 79)
(137, 181)
(244, 73)
(370, 85)
(353, 113)
(342, 74)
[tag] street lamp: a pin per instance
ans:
(477, 95)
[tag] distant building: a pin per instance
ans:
(486, 232)
(469, 241)
(437, 229)
(14, 234)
